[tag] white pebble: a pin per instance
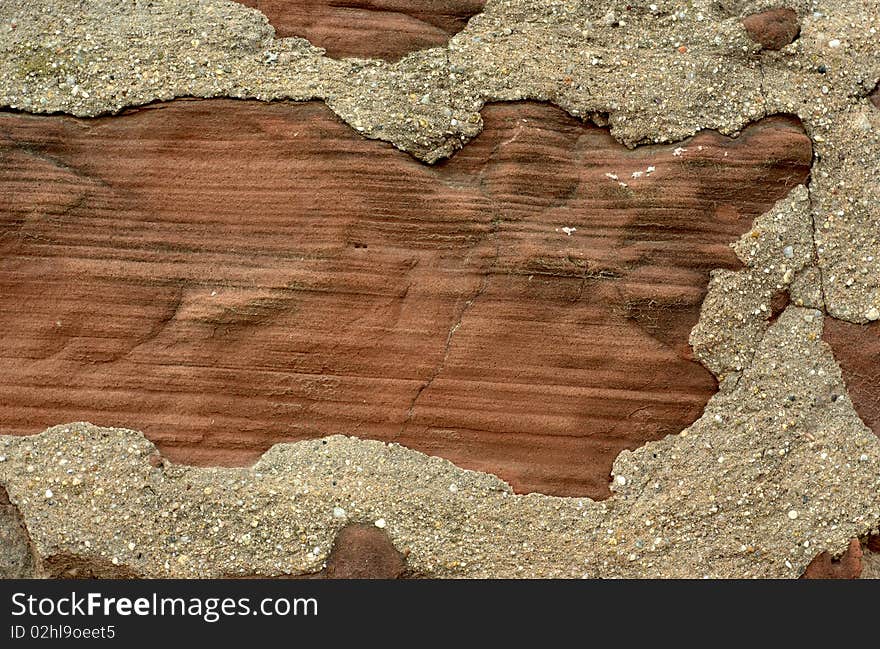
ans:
(834, 43)
(793, 514)
(380, 523)
(873, 313)
(49, 493)
(338, 512)
(620, 480)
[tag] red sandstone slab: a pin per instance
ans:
(227, 275)
(385, 29)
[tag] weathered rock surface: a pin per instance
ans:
(857, 349)
(227, 275)
(848, 566)
(383, 29)
(659, 75)
(773, 29)
(363, 552)
(16, 559)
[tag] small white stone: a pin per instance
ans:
(338, 512)
(620, 480)
(792, 514)
(49, 493)
(873, 313)
(788, 252)
(863, 458)
(453, 488)
(2, 458)
(834, 43)
(380, 523)
(568, 231)
(131, 545)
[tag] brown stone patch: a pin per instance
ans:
(874, 97)
(848, 566)
(363, 552)
(385, 29)
(773, 29)
(857, 350)
(16, 558)
(227, 275)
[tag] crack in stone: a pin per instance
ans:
(484, 282)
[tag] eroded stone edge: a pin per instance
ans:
(656, 74)
(778, 469)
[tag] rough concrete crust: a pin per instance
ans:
(777, 470)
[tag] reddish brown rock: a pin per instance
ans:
(857, 350)
(874, 97)
(16, 558)
(386, 29)
(849, 566)
(773, 29)
(363, 552)
(225, 275)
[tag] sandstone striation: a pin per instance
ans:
(377, 29)
(776, 476)
(227, 275)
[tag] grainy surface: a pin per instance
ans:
(383, 29)
(227, 275)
